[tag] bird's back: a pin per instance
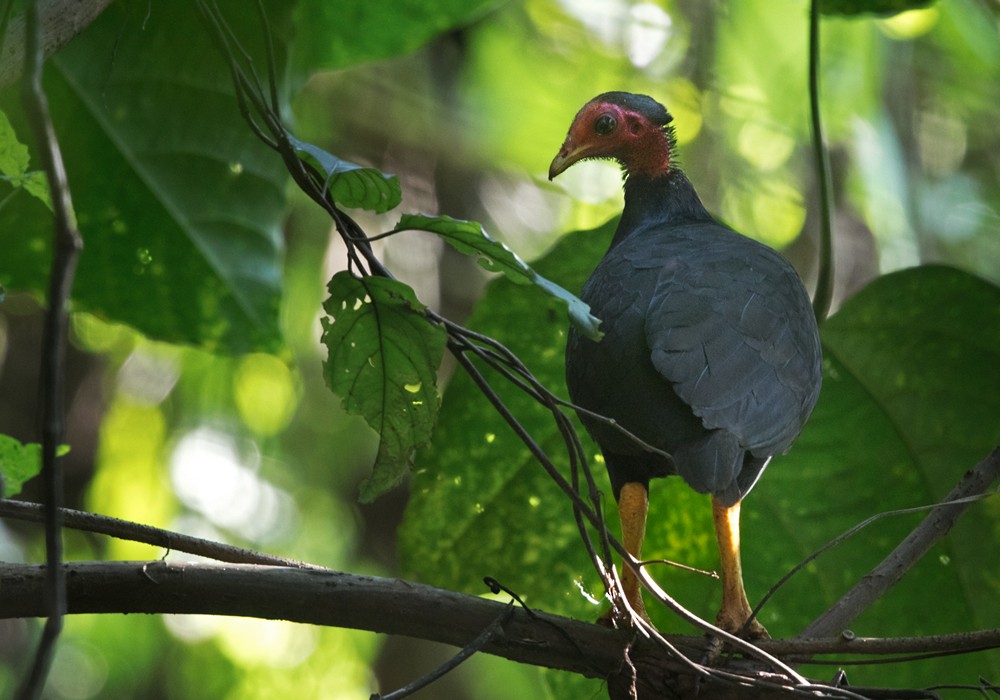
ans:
(710, 353)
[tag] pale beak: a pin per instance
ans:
(569, 153)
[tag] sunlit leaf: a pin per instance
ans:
(14, 163)
(352, 185)
(469, 237)
(382, 362)
(18, 463)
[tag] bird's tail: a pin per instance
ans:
(717, 464)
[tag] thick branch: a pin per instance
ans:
(60, 21)
(935, 526)
(389, 606)
(394, 606)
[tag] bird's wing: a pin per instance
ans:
(730, 326)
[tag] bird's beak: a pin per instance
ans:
(569, 153)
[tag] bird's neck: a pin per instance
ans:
(666, 199)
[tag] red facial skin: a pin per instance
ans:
(639, 145)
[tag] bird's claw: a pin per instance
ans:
(741, 626)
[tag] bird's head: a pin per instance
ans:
(632, 129)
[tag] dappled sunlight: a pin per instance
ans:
(215, 477)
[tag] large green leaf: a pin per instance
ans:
(903, 413)
(178, 203)
(332, 35)
(382, 362)
(902, 416)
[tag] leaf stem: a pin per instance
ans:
(823, 297)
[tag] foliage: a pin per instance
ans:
(188, 208)
(18, 463)
(351, 185)
(905, 364)
(191, 241)
(383, 353)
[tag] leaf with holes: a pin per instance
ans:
(468, 237)
(383, 355)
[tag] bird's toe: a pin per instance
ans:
(737, 625)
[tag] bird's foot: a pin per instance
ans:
(736, 625)
(735, 622)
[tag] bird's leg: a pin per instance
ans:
(633, 504)
(735, 607)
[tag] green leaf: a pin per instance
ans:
(882, 8)
(179, 205)
(352, 185)
(468, 237)
(18, 463)
(904, 411)
(382, 362)
(14, 162)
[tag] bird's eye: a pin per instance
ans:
(605, 124)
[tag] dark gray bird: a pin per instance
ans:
(710, 350)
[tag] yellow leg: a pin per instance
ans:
(633, 503)
(735, 607)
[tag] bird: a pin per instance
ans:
(710, 353)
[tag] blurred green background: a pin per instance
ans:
(196, 400)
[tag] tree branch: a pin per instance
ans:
(935, 526)
(394, 606)
(147, 534)
(66, 247)
(323, 597)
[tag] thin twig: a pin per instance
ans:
(823, 297)
(850, 532)
(66, 247)
(136, 532)
(476, 645)
(956, 643)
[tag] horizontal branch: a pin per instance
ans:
(312, 596)
(398, 607)
(146, 534)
